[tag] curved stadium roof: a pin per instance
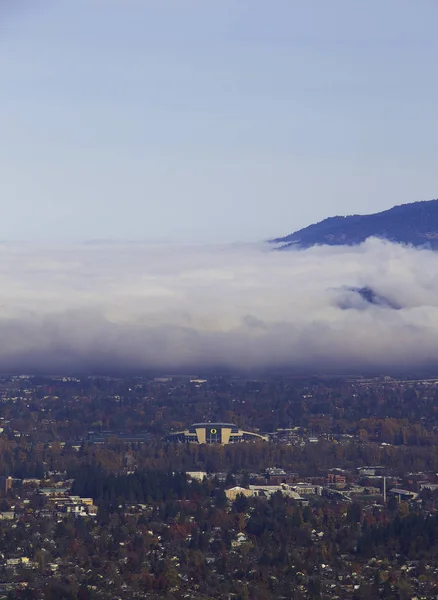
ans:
(213, 424)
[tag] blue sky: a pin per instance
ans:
(199, 120)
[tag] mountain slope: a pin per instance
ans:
(415, 223)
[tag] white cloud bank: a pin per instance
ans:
(102, 307)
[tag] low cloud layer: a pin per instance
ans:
(105, 307)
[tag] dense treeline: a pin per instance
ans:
(414, 536)
(141, 487)
(24, 459)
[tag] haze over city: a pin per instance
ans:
(131, 306)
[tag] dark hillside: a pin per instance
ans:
(415, 224)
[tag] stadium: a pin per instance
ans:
(215, 433)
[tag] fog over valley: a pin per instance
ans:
(115, 306)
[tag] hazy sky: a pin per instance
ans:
(212, 120)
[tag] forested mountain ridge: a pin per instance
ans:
(415, 224)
